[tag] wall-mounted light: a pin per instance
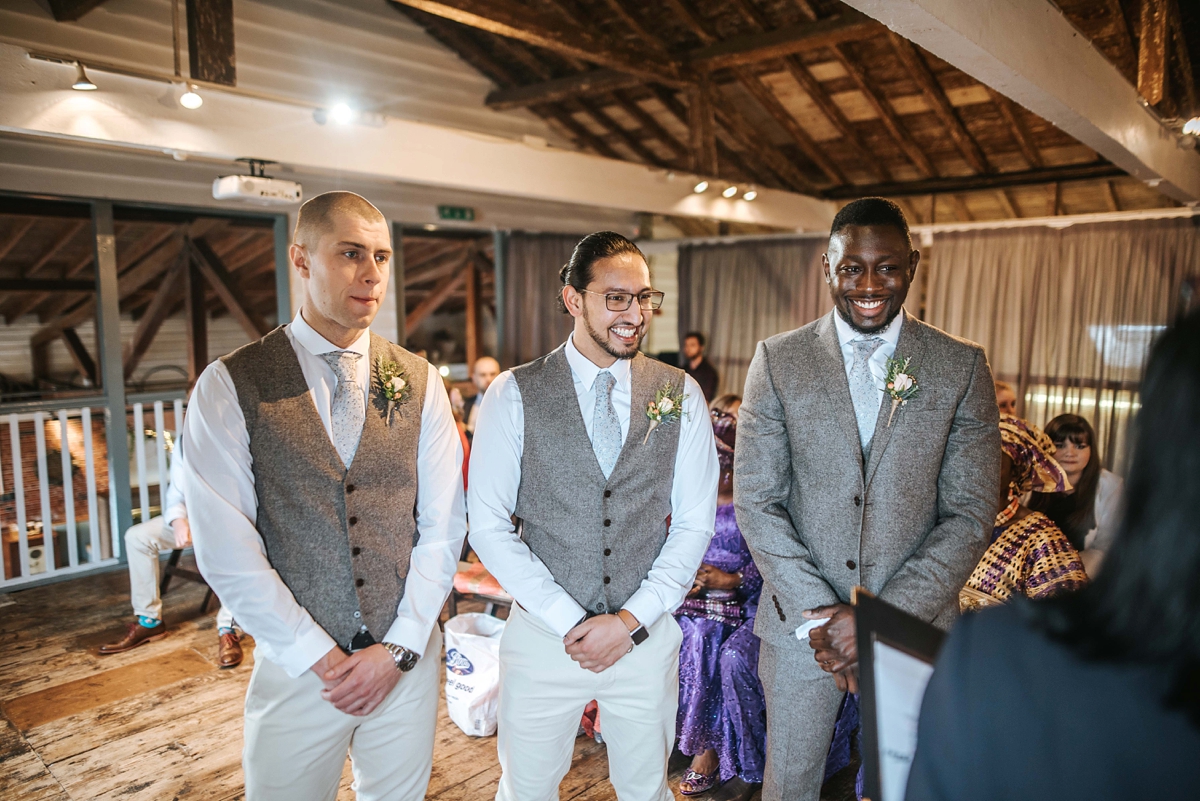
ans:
(82, 82)
(342, 114)
(700, 187)
(730, 191)
(750, 194)
(191, 98)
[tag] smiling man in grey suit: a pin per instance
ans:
(836, 488)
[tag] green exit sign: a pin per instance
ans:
(465, 213)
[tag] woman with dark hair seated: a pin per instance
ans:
(1088, 514)
(1094, 695)
(1028, 554)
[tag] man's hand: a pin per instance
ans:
(713, 578)
(333, 656)
(358, 683)
(182, 531)
(847, 680)
(598, 642)
(834, 644)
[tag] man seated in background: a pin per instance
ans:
(143, 542)
(483, 373)
(697, 366)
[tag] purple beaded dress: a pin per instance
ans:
(720, 697)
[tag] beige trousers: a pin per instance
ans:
(296, 742)
(143, 543)
(542, 696)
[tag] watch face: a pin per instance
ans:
(408, 661)
(639, 635)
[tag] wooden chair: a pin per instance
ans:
(474, 581)
(173, 569)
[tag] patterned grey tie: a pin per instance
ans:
(606, 426)
(863, 391)
(348, 411)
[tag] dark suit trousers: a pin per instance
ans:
(802, 707)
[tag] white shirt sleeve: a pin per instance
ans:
(441, 521)
(1108, 511)
(222, 506)
(174, 506)
(693, 515)
(495, 475)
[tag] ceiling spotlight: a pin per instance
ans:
(342, 114)
(730, 191)
(1192, 126)
(190, 99)
(82, 82)
(700, 187)
(750, 194)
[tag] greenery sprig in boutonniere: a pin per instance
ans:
(901, 383)
(667, 407)
(393, 383)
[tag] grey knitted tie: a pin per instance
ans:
(863, 390)
(606, 426)
(348, 410)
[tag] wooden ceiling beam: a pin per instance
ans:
(624, 11)
(960, 209)
(1007, 203)
(976, 183)
(583, 137)
(1110, 196)
(156, 314)
(435, 298)
(13, 238)
(597, 112)
(702, 131)
(650, 125)
(812, 87)
(752, 140)
(752, 48)
(559, 89)
(18, 309)
(935, 95)
(44, 285)
(71, 10)
(887, 115)
(505, 18)
(211, 54)
(770, 102)
(83, 361)
(1016, 127)
(1152, 52)
(218, 277)
(1180, 47)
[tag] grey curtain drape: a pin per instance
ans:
(1067, 316)
(533, 323)
(740, 293)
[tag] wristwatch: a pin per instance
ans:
(639, 634)
(405, 659)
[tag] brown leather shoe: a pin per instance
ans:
(136, 635)
(230, 654)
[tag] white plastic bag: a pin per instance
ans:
(473, 671)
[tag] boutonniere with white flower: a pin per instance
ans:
(901, 384)
(393, 383)
(667, 407)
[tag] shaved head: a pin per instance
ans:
(320, 215)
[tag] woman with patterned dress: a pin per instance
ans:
(722, 720)
(1029, 555)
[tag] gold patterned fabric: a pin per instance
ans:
(1031, 557)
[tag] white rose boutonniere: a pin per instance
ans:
(667, 407)
(901, 383)
(393, 384)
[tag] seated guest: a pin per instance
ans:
(1006, 398)
(697, 366)
(143, 542)
(483, 374)
(728, 404)
(1028, 555)
(722, 719)
(1093, 695)
(1088, 514)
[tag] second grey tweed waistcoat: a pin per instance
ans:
(340, 539)
(597, 536)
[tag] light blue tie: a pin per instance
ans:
(863, 391)
(348, 410)
(606, 426)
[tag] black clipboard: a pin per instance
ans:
(878, 621)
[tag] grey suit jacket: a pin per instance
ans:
(912, 524)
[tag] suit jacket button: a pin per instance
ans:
(349, 488)
(352, 521)
(608, 551)
(356, 550)
(359, 582)
(857, 500)
(850, 564)
(607, 523)
(607, 579)
(608, 493)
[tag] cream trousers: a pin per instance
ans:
(143, 543)
(542, 696)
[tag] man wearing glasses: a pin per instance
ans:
(592, 500)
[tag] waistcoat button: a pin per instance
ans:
(607, 523)
(850, 564)
(608, 493)
(356, 550)
(607, 579)
(352, 520)
(349, 488)
(608, 551)
(359, 582)
(600, 607)
(857, 501)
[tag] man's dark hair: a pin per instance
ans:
(1144, 607)
(696, 335)
(871, 211)
(577, 272)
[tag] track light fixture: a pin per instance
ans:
(730, 191)
(700, 187)
(82, 82)
(750, 194)
(191, 99)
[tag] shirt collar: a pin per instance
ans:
(889, 335)
(316, 344)
(586, 370)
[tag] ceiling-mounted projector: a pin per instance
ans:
(257, 187)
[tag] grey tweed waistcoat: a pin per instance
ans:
(340, 539)
(598, 537)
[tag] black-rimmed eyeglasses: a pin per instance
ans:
(621, 301)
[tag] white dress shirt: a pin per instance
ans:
(877, 364)
(174, 507)
(223, 507)
(495, 475)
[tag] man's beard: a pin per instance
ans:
(856, 329)
(604, 343)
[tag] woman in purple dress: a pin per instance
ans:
(722, 721)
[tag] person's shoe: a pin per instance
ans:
(694, 783)
(136, 635)
(230, 653)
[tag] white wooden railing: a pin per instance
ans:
(68, 539)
